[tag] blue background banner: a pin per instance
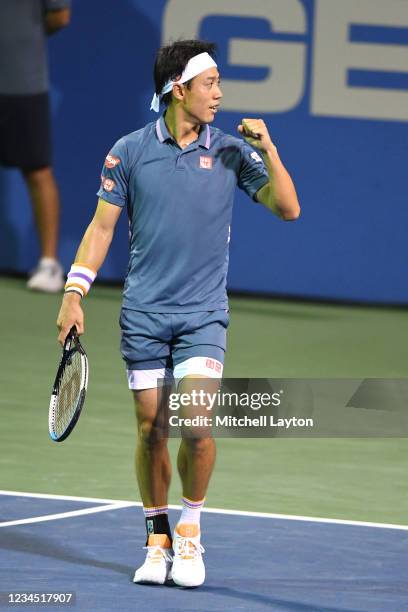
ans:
(330, 79)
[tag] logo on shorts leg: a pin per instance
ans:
(150, 528)
(213, 364)
(206, 162)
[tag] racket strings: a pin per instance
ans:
(69, 393)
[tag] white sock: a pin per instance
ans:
(191, 511)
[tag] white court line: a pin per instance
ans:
(308, 519)
(127, 504)
(64, 497)
(61, 515)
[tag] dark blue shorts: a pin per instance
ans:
(25, 131)
(163, 341)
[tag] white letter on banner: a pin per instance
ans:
(334, 55)
(283, 88)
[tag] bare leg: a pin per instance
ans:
(196, 456)
(45, 201)
(153, 468)
(195, 462)
(195, 459)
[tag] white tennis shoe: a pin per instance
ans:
(48, 276)
(188, 566)
(157, 565)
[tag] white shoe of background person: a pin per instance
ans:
(159, 558)
(188, 566)
(48, 276)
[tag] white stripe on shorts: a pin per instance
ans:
(147, 379)
(204, 366)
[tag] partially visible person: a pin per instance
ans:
(25, 130)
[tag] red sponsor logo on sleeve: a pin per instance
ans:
(111, 161)
(206, 162)
(108, 184)
(210, 363)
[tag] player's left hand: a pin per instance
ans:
(256, 134)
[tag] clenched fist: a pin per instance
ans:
(256, 134)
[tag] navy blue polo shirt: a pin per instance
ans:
(179, 203)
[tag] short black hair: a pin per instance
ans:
(172, 59)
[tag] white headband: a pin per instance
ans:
(195, 66)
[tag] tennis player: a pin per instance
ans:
(176, 176)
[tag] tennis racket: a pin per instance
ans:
(68, 393)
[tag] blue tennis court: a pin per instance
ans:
(253, 562)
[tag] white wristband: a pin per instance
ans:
(80, 278)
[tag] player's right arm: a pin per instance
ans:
(91, 253)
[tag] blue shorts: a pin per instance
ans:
(158, 345)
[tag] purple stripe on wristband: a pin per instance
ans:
(80, 275)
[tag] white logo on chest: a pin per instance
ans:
(206, 162)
